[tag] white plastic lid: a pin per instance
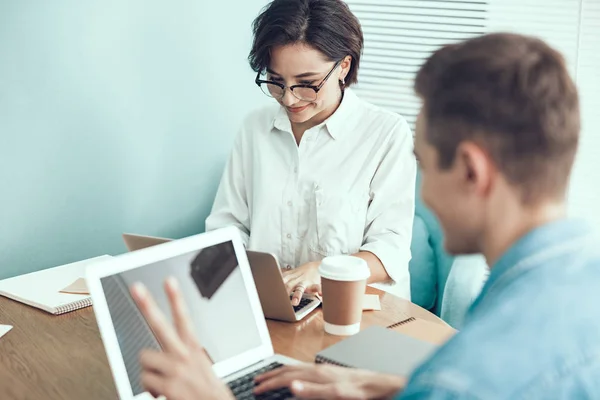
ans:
(344, 268)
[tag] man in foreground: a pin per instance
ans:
(496, 140)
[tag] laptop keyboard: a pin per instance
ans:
(303, 303)
(242, 387)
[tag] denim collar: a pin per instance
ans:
(522, 256)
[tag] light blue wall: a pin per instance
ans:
(115, 116)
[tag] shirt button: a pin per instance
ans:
(296, 170)
(289, 203)
(289, 236)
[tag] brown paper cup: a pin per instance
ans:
(342, 306)
(343, 282)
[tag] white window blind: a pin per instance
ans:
(584, 193)
(400, 34)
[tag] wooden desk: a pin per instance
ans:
(62, 357)
(304, 339)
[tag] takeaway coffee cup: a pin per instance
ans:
(343, 282)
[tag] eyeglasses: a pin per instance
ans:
(301, 92)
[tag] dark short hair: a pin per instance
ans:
(326, 25)
(513, 95)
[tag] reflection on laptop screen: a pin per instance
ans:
(217, 312)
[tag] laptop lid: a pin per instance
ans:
(229, 322)
(138, 242)
(274, 297)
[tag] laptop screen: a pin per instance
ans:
(219, 313)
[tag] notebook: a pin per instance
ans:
(424, 330)
(42, 289)
(380, 350)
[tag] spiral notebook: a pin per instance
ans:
(42, 289)
(380, 350)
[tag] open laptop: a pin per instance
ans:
(138, 242)
(230, 323)
(274, 297)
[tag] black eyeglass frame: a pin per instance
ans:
(316, 89)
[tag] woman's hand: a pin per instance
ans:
(310, 381)
(182, 370)
(305, 278)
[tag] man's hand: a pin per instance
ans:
(305, 278)
(182, 370)
(310, 381)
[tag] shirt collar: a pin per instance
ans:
(281, 121)
(335, 123)
(534, 242)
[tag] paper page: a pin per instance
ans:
(4, 329)
(371, 302)
(77, 287)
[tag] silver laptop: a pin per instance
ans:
(230, 324)
(274, 297)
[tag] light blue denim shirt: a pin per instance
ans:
(533, 332)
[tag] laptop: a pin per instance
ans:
(274, 298)
(138, 242)
(230, 323)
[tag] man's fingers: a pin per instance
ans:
(308, 390)
(274, 383)
(161, 327)
(273, 373)
(284, 376)
(156, 362)
(181, 315)
(153, 383)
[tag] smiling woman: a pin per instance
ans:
(320, 172)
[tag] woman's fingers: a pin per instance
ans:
(291, 281)
(297, 294)
(314, 289)
(290, 277)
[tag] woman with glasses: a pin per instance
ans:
(320, 172)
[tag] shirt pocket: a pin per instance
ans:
(340, 222)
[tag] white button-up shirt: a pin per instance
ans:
(348, 187)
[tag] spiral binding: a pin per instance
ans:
(324, 360)
(403, 322)
(74, 306)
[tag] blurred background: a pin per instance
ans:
(115, 116)
(118, 116)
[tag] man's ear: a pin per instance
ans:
(476, 167)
